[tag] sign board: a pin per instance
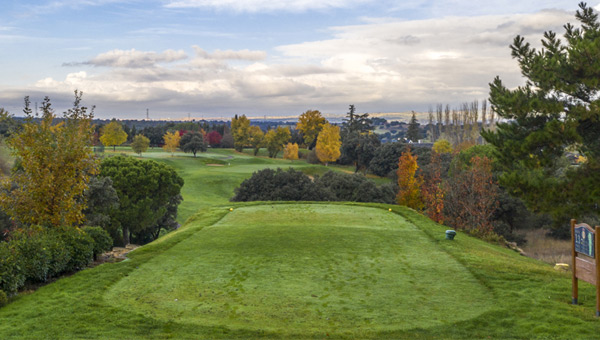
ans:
(585, 258)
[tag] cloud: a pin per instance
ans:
(380, 65)
(132, 58)
(265, 5)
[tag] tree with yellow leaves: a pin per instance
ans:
(275, 140)
(240, 129)
(310, 124)
(442, 146)
(328, 144)
(113, 134)
(256, 139)
(55, 165)
(171, 142)
(409, 193)
(291, 151)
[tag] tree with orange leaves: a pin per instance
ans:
(432, 190)
(409, 193)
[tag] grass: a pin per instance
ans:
(309, 271)
(544, 248)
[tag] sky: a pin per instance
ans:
(174, 59)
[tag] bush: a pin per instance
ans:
(3, 298)
(280, 185)
(354, 187)
(80, 247)
(102, 240)
(11, 276)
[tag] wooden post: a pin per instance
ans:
(597, 257)
(573, 261)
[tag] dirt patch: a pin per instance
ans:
(213, 164)
(117, 254)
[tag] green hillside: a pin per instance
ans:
(302, 270)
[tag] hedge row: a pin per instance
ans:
(37, 254)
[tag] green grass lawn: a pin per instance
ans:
(293, 270)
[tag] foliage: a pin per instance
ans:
(102, 199)
(227, 141)
(102, 240)
(311, 157)
(357, 122)
(409, 185)
(471, 197)
(256, 138)
(145, 189)
(8, 125)
(140, 144)
(355, 188)
(310, 124)
(193, 142)
(385, 159)
(56, 162)
(358, 149)
(291, 152)
(328, 144)
(414, 132)
(279, 185)
(11, 275)
(113, 134)
(172, 140)
(214, 138)
(442, 146)
(3, 298)
(240, 129)
(432, 190)
(275, 140)
(558, 109)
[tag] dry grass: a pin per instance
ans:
(542, 247)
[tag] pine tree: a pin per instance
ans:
(556, 111)
(413, 133)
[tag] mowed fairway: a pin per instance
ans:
(305, 269)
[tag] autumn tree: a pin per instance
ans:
(442, 146)
(240, 129)
(433, 191)
(171, 141)
(328, 144)
(310, 124)
(214, 138)
(409, 184)
(291, 151)
(55, 162)
(275, 139)
(471, 197)
(140, 144)
(193, 142)
(256, 138)
(557, 110)
(113, 134)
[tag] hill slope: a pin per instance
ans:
(308, 271)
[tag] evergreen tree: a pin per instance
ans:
(356, 122)
(557, 111)
(413, 133)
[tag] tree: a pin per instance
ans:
(113, 134)
(102, 199)
(240, 129)
(193, 142)
(144, 188)
(432, 190)
(256, 139)
(7, 123)
(310, 124)
(557, 110)
(214, 138)
(140, 144)
(55, 162)
(357, 122)
(227, 141)
(291, 152)
(328, 144)
(442, 146)
(275, 139)
(409, 185)
(358, 149)
(414, 132)
(385, 160)
(471, 197)
(172, 140)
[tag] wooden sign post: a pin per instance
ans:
(586, 260)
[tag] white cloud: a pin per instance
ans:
(265, 5)
(381, 66)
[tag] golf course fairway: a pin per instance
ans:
(304, 268)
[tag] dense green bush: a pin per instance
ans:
(102, 240)
(80, 247)
(11, 277)
(3, 298)
(355, 187)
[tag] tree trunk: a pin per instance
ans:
(125, 235)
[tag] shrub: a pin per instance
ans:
(355, 187)
(3, 298)
(34, 257)
(11, 277)
(102, 240)
(80, 246)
